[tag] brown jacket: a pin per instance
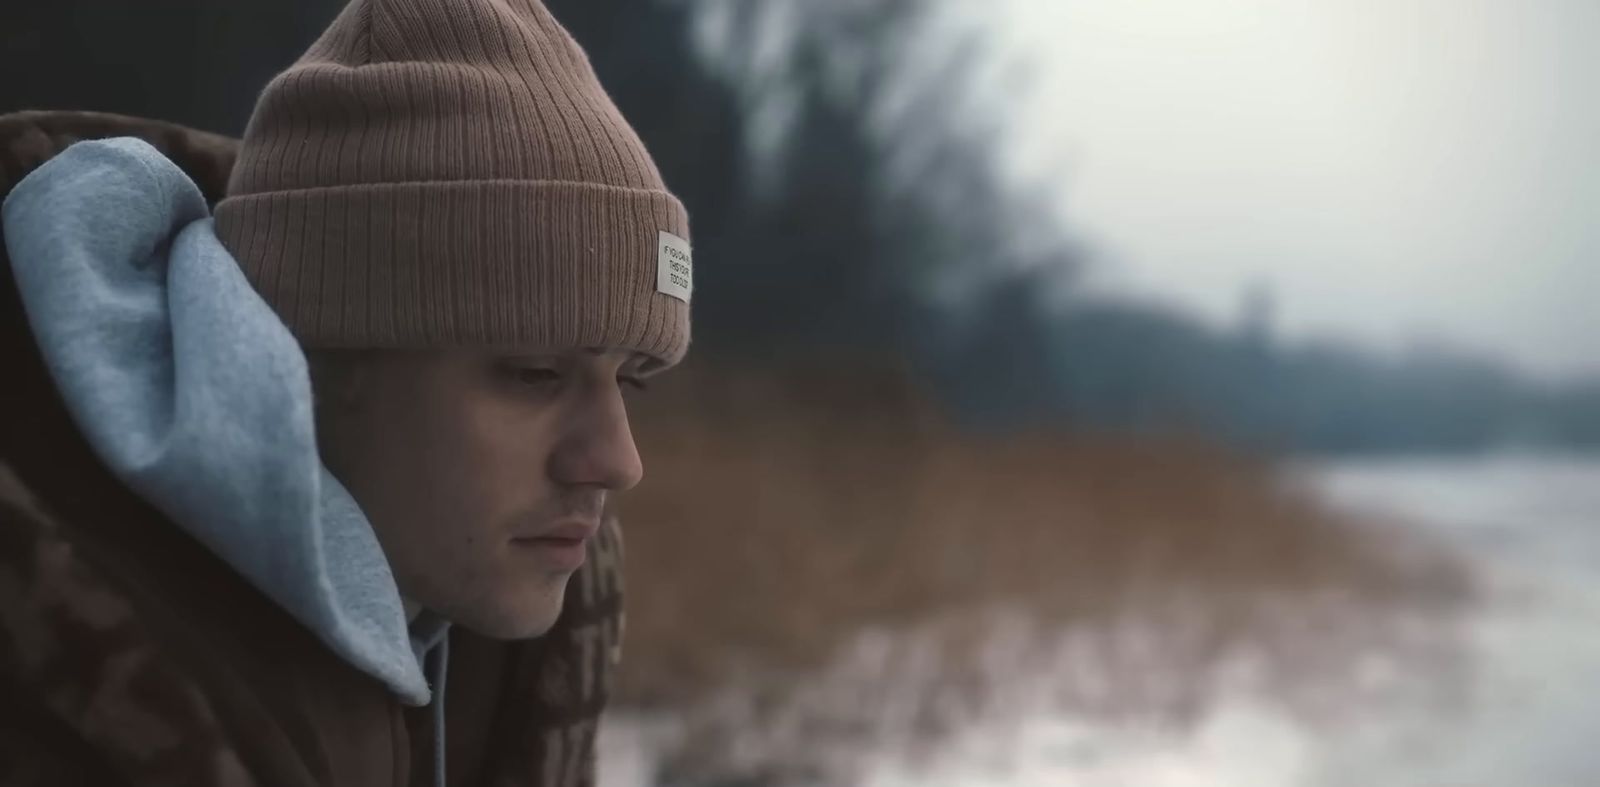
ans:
(129, 655)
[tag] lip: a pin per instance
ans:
(564, 547)
(571, 530)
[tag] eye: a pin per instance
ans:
(635, 383)
(533, 376)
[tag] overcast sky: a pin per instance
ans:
(1397, 171)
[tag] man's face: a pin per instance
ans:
(484, 473)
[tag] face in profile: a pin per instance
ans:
(483, 472)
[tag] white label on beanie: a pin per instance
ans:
(674, 267)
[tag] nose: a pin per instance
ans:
(598, 449)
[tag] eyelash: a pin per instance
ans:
(537, 377)
(523, 376)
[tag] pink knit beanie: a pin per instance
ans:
(450, 172)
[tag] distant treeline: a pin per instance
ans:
(1128, 367)
(839, 162)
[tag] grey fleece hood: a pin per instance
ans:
(194, 393)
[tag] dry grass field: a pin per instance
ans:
(788, 512)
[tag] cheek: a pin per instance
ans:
(462, 473)
(456, 465)
(493, 461)
(512, 448)
(425, 468)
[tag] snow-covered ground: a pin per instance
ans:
(1527, 718)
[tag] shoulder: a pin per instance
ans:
(137, 645)
(28, 139)
(84, 668)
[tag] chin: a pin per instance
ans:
(524, 613)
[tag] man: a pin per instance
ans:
(437, 222)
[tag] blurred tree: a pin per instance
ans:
(195, 62)
(839, 159)
(836, 182)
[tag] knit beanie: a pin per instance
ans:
(450, 172)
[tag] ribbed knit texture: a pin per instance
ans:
(450, 172)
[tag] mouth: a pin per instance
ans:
(561, 548)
